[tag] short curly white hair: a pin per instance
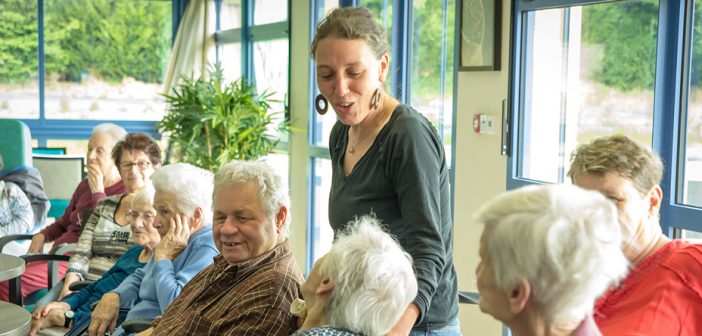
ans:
(192, 187)
(375, 280)
(566, 242)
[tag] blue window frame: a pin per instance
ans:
(670, 72)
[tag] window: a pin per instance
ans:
(87, 61)
(583, 69)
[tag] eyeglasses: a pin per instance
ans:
(127, 166)
(147, 216)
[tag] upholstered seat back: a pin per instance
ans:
(15, 144)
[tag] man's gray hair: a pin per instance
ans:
(375, 280)
(191, 186)
(116, 132)
(273, 192)
(566, 242)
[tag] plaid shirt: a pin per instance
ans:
(249, 298)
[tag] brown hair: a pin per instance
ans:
(619, 155)
(137, 141)
(352, 23)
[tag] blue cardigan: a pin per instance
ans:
(150, 290)
(80, 301)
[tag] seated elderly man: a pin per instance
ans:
(662, 295)
(546, 254)
(183, 204)
(361, 287)
(249, 288)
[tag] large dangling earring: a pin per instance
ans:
(321, 104)
(375, 99)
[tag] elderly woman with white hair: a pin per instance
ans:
(546, 254)
(183, 203)
(360, 287)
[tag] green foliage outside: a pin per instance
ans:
(428, 30)
(626, 31)
(211, 122)
(108, 39)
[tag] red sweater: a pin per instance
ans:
(662, 295)
(67, 228)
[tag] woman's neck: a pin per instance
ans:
(146, 254)
(647, 240)
(112, 178)
(534, 325)
(376, 119)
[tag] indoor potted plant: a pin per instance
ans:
(210, 122)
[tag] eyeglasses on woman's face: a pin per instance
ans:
(147, 216)
(141, 165)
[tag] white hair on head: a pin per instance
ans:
(375, 280)
(273, 191)
(191, 186)
(144, 196)
(565, 241)
(116, 132)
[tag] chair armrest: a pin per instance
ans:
(136, 325)
(6, 239)
(468, 297)
(79, 285)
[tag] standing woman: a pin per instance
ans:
(387, 160)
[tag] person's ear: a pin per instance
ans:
(519, 296)
(655, 197)
(196, 219)
(384, 67)
(280, 218)
(326, 286)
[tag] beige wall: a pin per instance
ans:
(480, 170)
(480, 174)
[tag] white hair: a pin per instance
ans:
(144, 196)
(116, 132)
(273, 192)
(566, 242)
(191, 186)
(375, 280)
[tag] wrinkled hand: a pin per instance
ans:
(37, 245)
(104, 316)
(54, 318)
(176, 240)
(95, 178)
(48, 308)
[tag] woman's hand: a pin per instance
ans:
(104, 317)
(37, 245)
(49, 307)
(54, 318)
(176, 240)
(146, 332)
(95, 178)
(67, 281)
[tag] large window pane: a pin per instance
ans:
(322, 125)
(271, 73)
(280, 162)
(322, 233)
(230, 15)
(589, 72)
(19, 87)
(270, 11)
(230, 58)
(692, 173)
(106, 59)
(432, 66)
